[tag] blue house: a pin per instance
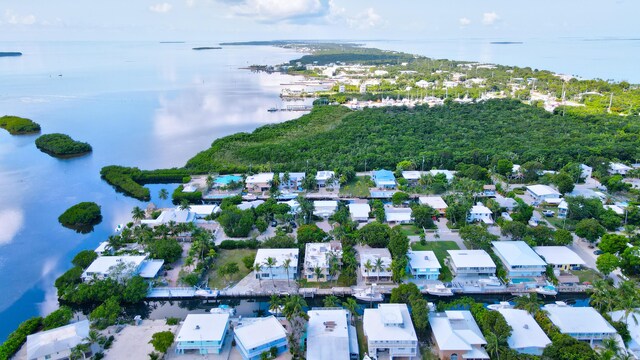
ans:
(384, 179)
(204, 333)
(257, 335)
(423, 265)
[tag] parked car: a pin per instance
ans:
(274, 223)
(598, 252)
(548, 213)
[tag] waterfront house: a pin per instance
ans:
(585, 171)
(246, 205)
(323, 178)
(560, 257)
(423, 265)
(278, 271)
(581, 323)
(519, 259)
(396, 215)
(489, 190)
(563, 209)
(324, 208)
(204, 333)
(479, 212)
(619, 169)
(254, 336)
(259, 182)
(359, 211)
(122, 267)
(527, 336)
(294, 183)
(471, 263)
(542, 193)
(384, 179)
(632, 320)
(202, 211)
(388, 330)
(330, 335)
(435, 202)
(171, 215)
(56, 344)
(447, 173)
(412, 177)
(457, 336)
(507, 203)
(371, 256)
(322, 256)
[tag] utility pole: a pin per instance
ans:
(422, 167)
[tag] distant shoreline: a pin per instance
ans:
(10, 54)
(207, 48)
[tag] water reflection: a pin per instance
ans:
(11, 221)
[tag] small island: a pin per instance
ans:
(19, 126)
(10, 53)
(62, 146)
(207, 48)
(81, 217)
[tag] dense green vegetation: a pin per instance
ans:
(81, 217)
(61, 145)
(445, 136)
(130, 181)
(19, 336)
(18, 126)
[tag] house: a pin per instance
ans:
(447, 173)
(246, 205)
(423, 265)
(542, 192)
(384, 179)
(457, 336)
(322, 256)
(560, 257)
(254, 336)
(585, 171)
(489, 190)
(563, 209)
(369, 257)
(122, 267)
(412, 177)
(103, 248)
(279, 270)
(396, 215)
(359, 212)
(519, 259)
(202, 332)
(506, 203)
(581, 323)
(202, 211)
(619, 169)
(587, 193)
(633, 346)
(259, 182)
(171, 215)
(294, 183)
(479, 212)
(323, 178)
(471, 263)
(435, 202)
(389, 331)
(56, 344)
(330, 335)
(527, 336)
(324, 208)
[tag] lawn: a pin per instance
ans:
(586, 274)
(440, 249)
(362, 342)
(224, 257)
(567, 224)
(411, 230)
(358, 187)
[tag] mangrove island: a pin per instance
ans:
(61, 145)
(19, 126)
(81, 217)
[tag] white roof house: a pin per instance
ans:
(328, 335)
(397, 215)
(175, 215)
(633, 326)
(319, 255)
(471, 262)
(542, 192)
(558, 256)
(456, 332)
(505, 202)
(256, 335)
(359, 212)
(527, 336)
(582, 323)
(435, 202)
(246, 205)
(278, 270)
(204, 210)
(389, 328)
(57, 343)
(103, 266)
(447, 173)
(619, 168)
(260, 178)
(325, 175)
(479, 212)
(411, 175)
(423, 260)
(324, 208)
(519, 259)
(372, 255)
(200, 329)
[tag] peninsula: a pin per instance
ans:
(62, 146)
(19, 126)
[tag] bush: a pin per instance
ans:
(81, 217)
(248, 261)
(18, 126)
(19, 336)
(167, 249)
(84, 258)
(191, 197)
(172, 321)
(161, 341)
(239, 244)
(61, 145)
(57, 318)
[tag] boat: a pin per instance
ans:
(439, 290)
(547, 290)
(223, 309)
(207, 292)
(277, 311)
(500, 305)
(272, 109)
(491, 281)
(369, 295)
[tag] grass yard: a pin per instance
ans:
(362, 342)
(440, 249)
(217, 281)
(589, 275)
(567, 224)
(358, 187)
(411, 230)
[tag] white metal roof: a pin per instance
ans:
(585, 320)
(149, 268)
(324, 207)
(318, 254)
(56, 340)
(525, 330)
(175, 215)
(324, 175)
(455, 330)
(328, 334)
(543, 190)
(259, 331)
(280, 255)
(376, 330)
(447, 173)
(104, 264)
(372, 255)
(479, 208)
(423, 260)
(411, 175)
(204, 210)
(245, 205)
(517, 253)
(471, 258)
(260, 178)
(559, 255)
(435, 202)
(359, 210)
(394, 214)
(203, 327)
(633, 325)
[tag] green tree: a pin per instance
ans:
(330, 301)
(57, 318)
(590, 229)
(286, 264)
(137, 214)
(515, 230)
(374, 234)
(562, 237)
(477, 237)
(613, 243)
(530, 303)
(610, 220)
(564, 183)
(423, 216)
(162, 341)
(398, 242)
(504, 167)
(606, 263)
(84, 258)
(275, 304)
(168, 249)
(163, 194)
(270, 263)
(135, 290)
(399, 197)
(311, 234)
(248, 261)
(106, 314)
(564, 347)
(630, 261)
(352, 306)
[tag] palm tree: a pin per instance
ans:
(368, 266)
(352, 306)
(258, 268)
(610, 345)
(209, 181)
(270, 263)
(603, 296)
(287, 264)
(628, 299)
(92, 338)
(294, 306)
(530, 303)
(492, 347)
(318, 271)
(137, 214)
(184, 205)
(163, 194)
(275, 304)
(334, 268)
(286, 178)
(330, 301)
(78, 352)
(379, 266)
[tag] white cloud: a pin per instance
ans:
(12, 18)
(464, 21)
(489, 18)
(11, 221)
(365, 20)
(278, 10)
(161, 8)
(190, 3)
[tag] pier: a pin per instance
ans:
(292, 108)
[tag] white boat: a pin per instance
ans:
(501, 305)
(207, 292)
(277, 311)
(547, 290)
(223, 309)
(368, 295)
(491, 281)
(439, 290)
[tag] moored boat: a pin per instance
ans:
(439, 290)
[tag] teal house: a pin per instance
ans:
(202, 334)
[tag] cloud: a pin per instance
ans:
(463, 21)
(278, 10)
(11, 221)
(12, 18)
(489, 18)
(365, 20)
(161, 8)
(190, 3)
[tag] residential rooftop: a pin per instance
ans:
(328, 334)
(423, 260)
(435, 202)
(280, 255)
(543, 190)
(317, 254)
(56, 340)
(559, 255)
(471, 258)
(203, 327)
(578, 320)
(254, 332)
(389, 322)
(517, 253)
(456, 330)
(525, 330)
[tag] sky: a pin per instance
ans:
(238, 20)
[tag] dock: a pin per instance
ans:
(292, 108)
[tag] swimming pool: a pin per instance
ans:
(522, 280)
(226, 179)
